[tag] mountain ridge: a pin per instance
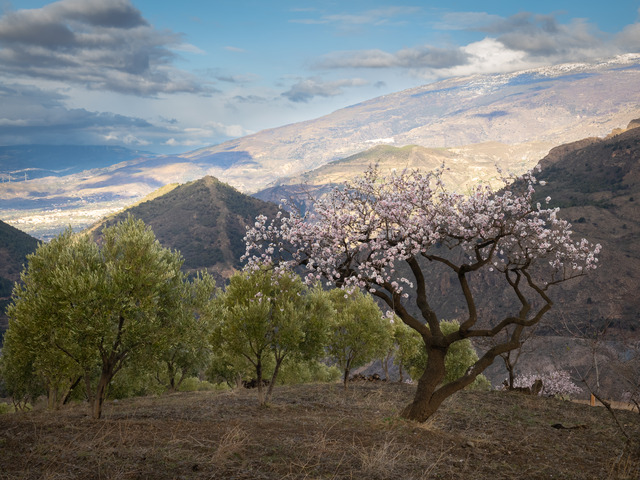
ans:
(452, 113)
(205, 220)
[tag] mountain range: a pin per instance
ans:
(508, 119)
(534, 110)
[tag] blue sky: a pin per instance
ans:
(175, 76)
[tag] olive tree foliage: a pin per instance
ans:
(265, 318)
(49, 290)
(187, 351)
(363, 234)
(17, 375)
(88, 309)
(358, 331)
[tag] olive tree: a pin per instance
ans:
(51, 290)
(93, 308)
(387, 235)
(267, 317)
(408, 345)
(187, 350)
(358, 331)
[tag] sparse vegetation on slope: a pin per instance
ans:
(320, 431)
(597, 185)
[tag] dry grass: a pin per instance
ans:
(320, 432)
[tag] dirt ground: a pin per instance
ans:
(318, 431)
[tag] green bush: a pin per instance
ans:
(308, 372)
(131, 382)
(194, 384)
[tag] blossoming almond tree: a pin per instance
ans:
(365, 233)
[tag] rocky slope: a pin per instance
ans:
(596, 183)
(14, 247)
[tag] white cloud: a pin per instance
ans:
(234, 49)
(465, 20)
(629, 38)
(521, 41)
(490, 56)
(104, 45)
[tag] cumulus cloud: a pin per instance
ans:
(250, 99)
(542, 36)
(237, 79)
(100, 44)
(524, 40)
(30, 115)
(465, 20)
(306, 89)
(629, 38)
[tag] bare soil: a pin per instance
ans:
(319, 431)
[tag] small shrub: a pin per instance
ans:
(131, 382)
(481, 383)
(6, 408)
(194, 384)
(308, 372)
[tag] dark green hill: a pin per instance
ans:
(15, 245)
(205, 220)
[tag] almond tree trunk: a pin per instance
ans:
(426, 400)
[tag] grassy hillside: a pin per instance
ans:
(320, 431)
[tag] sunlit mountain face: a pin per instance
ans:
(469, 123)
